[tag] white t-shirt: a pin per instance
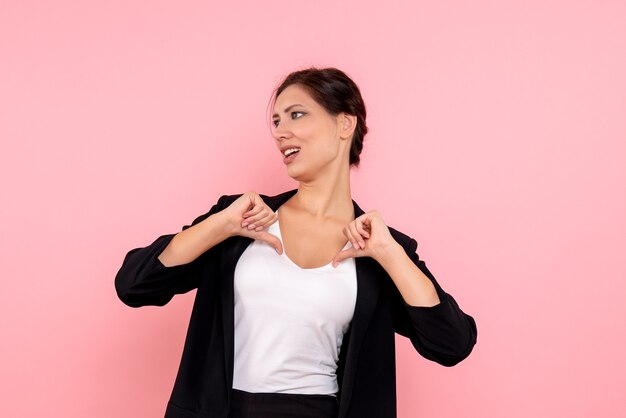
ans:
(289, 321)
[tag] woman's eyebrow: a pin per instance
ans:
(287, 108)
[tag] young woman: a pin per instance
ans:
(299, 295)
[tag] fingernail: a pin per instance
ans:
(250, 226)
(362, 245)
(277, 252)
(244, 224)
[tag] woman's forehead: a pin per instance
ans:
(292, 95)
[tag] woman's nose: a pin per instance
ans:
(280, 132)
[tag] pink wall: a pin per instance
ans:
(497, 140)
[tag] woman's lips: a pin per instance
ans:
(291, 157)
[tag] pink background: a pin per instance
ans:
(497, 140)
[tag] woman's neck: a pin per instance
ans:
(324, 203)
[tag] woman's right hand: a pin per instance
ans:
(249, 216)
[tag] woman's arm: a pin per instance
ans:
(440, 332)
(172, 264)
(414, 286)
(193, 241)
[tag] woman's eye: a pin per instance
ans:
(292, 113)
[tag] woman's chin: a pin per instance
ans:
(297, 174)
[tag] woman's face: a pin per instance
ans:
(300, 122)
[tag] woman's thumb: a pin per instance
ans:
(272, 240)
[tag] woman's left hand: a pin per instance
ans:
(370, 237)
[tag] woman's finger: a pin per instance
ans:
(342, 255)
(272, 240)
(251, 212)
(263, 218)
(360, 226)
(253, 220)
(357, 236)
(348, 233)
(265, 222)
(257, 204)
(249, 215)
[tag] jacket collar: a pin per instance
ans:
(367, 297)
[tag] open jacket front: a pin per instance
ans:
(366, 367)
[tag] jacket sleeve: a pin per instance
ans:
(442, 333)
(143, 280)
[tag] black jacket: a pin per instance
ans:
(366, 368)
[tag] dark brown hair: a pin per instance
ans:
(335, 92)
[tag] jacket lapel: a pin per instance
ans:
(367, 297)
(232, 253)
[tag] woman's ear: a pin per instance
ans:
(348, 125)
